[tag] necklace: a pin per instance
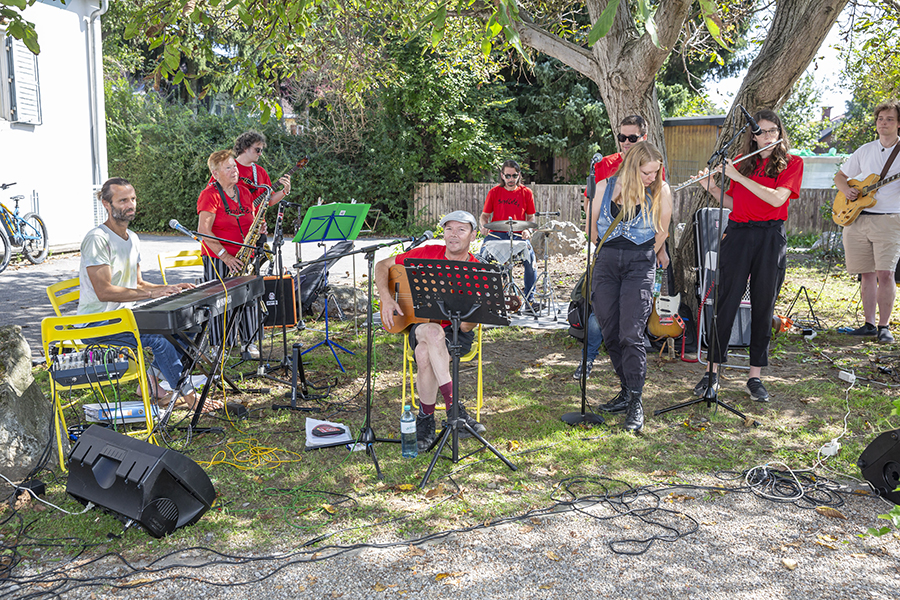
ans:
(241, 209)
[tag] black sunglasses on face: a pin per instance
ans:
(631, 138)
(510, 175)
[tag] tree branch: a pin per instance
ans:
(572, 55)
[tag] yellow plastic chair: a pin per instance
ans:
(174, 260)
(63, 293)
(58, 331)
(409, 361)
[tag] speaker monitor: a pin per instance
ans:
(880, 464)
(276, 303)
(159, 488)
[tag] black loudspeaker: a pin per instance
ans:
(880, 464)
(277, 315)
(156, 487)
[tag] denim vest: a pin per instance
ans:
(635, 230)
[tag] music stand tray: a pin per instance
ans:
(457, 291)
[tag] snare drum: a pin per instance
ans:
(499, 251)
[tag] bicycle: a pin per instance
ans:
(26, 234)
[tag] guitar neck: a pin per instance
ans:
(869, 189)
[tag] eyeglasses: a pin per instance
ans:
(762, 132)
(631, 138)
(510, 175)
(258, 150)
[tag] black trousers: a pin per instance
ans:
(758, 251)
(249, 317)
(622, 291)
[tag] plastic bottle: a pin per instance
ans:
(408, 445)
(657, 282)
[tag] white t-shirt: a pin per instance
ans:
(868, 159)
(103, 246)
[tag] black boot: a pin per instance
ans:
(470, 421)
(634, 420)
(617, 404)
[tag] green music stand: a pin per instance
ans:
(331, 222)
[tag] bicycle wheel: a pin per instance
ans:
(5, 250)
(35, 233)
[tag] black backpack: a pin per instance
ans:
(576, 311)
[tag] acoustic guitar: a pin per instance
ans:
(398, 283)
(665, 322)
(844, 211)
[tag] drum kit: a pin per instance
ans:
(509, 253)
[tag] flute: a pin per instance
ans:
(699, 177)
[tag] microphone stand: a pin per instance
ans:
(711, 395)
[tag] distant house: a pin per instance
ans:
(52, 117)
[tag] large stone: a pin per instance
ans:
(25, 413)
(342, 297)
(559, 237)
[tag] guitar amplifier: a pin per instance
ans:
(281, 307)
(707, 232)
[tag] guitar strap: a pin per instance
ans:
(890, 161)
(612, 226)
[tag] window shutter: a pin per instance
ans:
(24, 88)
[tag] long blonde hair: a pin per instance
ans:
(633, 191)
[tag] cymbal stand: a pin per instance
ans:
(547, 291)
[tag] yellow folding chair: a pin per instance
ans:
(60, 331)
(174, 260)
(409, 360)
(62, 293)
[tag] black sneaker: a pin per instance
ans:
(757, 390)
(577, 374)
(425, 435)
(867, 329)
(470, 421)
(885, 336)
(700, 388)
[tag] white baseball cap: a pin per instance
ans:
(460, 216)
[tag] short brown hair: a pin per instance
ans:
(106, 193)
(217, 158)
(887, 105)
(246, 140)
(637, 121)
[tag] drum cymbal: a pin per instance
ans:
(511, 225)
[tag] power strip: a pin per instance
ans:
(831, 448)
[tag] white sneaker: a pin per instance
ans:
(251, 350)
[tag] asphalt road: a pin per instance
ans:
(23, 286)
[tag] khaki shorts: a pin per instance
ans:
(872, 243)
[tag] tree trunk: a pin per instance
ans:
(798, 29)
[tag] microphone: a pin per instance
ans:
(755, 129)
(428, 235)
(174, 224)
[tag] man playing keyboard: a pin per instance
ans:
(110, 278)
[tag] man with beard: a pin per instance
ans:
(110, 278)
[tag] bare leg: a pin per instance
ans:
(868, 291)
(887, 291)
(433, 361)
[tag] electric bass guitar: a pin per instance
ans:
(665, 322)
(844, 211)
(253, 185)
(398, 283)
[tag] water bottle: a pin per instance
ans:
(408, 445)
(657, 282)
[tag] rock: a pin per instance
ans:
(563, 237)
(343, 297)
(25, 413)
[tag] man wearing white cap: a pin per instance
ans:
(430, 341)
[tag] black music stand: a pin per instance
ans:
(458, 291)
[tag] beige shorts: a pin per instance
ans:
(872, 243)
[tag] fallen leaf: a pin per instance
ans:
(134, 582)
(441, 576)
(794, 544)
(859, 555)
(535, 521)
(659, 473)
(544, 587)
(526, 529)
(830, 512)
(789, 563)
(329, 509)
(512, 446)
(416, 551)
(435, 491)
(405, 487)
(827, 538)
(827, 545)
(552, 555)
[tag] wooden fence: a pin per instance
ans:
(433, 200)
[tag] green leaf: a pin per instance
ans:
(486, 48)
(604, 23)
(712, 21)
(20, 4)
(131, 29)
(265, 114)
(650, 26)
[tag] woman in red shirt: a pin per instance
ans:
(754, 245)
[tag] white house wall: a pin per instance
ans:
(53, 160)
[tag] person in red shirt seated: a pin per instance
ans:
(754, 244)
(430, 342)
(510, 200)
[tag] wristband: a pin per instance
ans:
(222, 253)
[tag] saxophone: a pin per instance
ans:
(245, 254)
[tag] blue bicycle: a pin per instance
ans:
(26, 234)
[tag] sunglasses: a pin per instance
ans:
(258, 150)
(630, 138)
(510, 175)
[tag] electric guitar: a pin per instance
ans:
(665, 322)
(844, 211)
(253, 185)
(398, 283)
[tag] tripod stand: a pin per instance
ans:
(711, 395)
(456, 290)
